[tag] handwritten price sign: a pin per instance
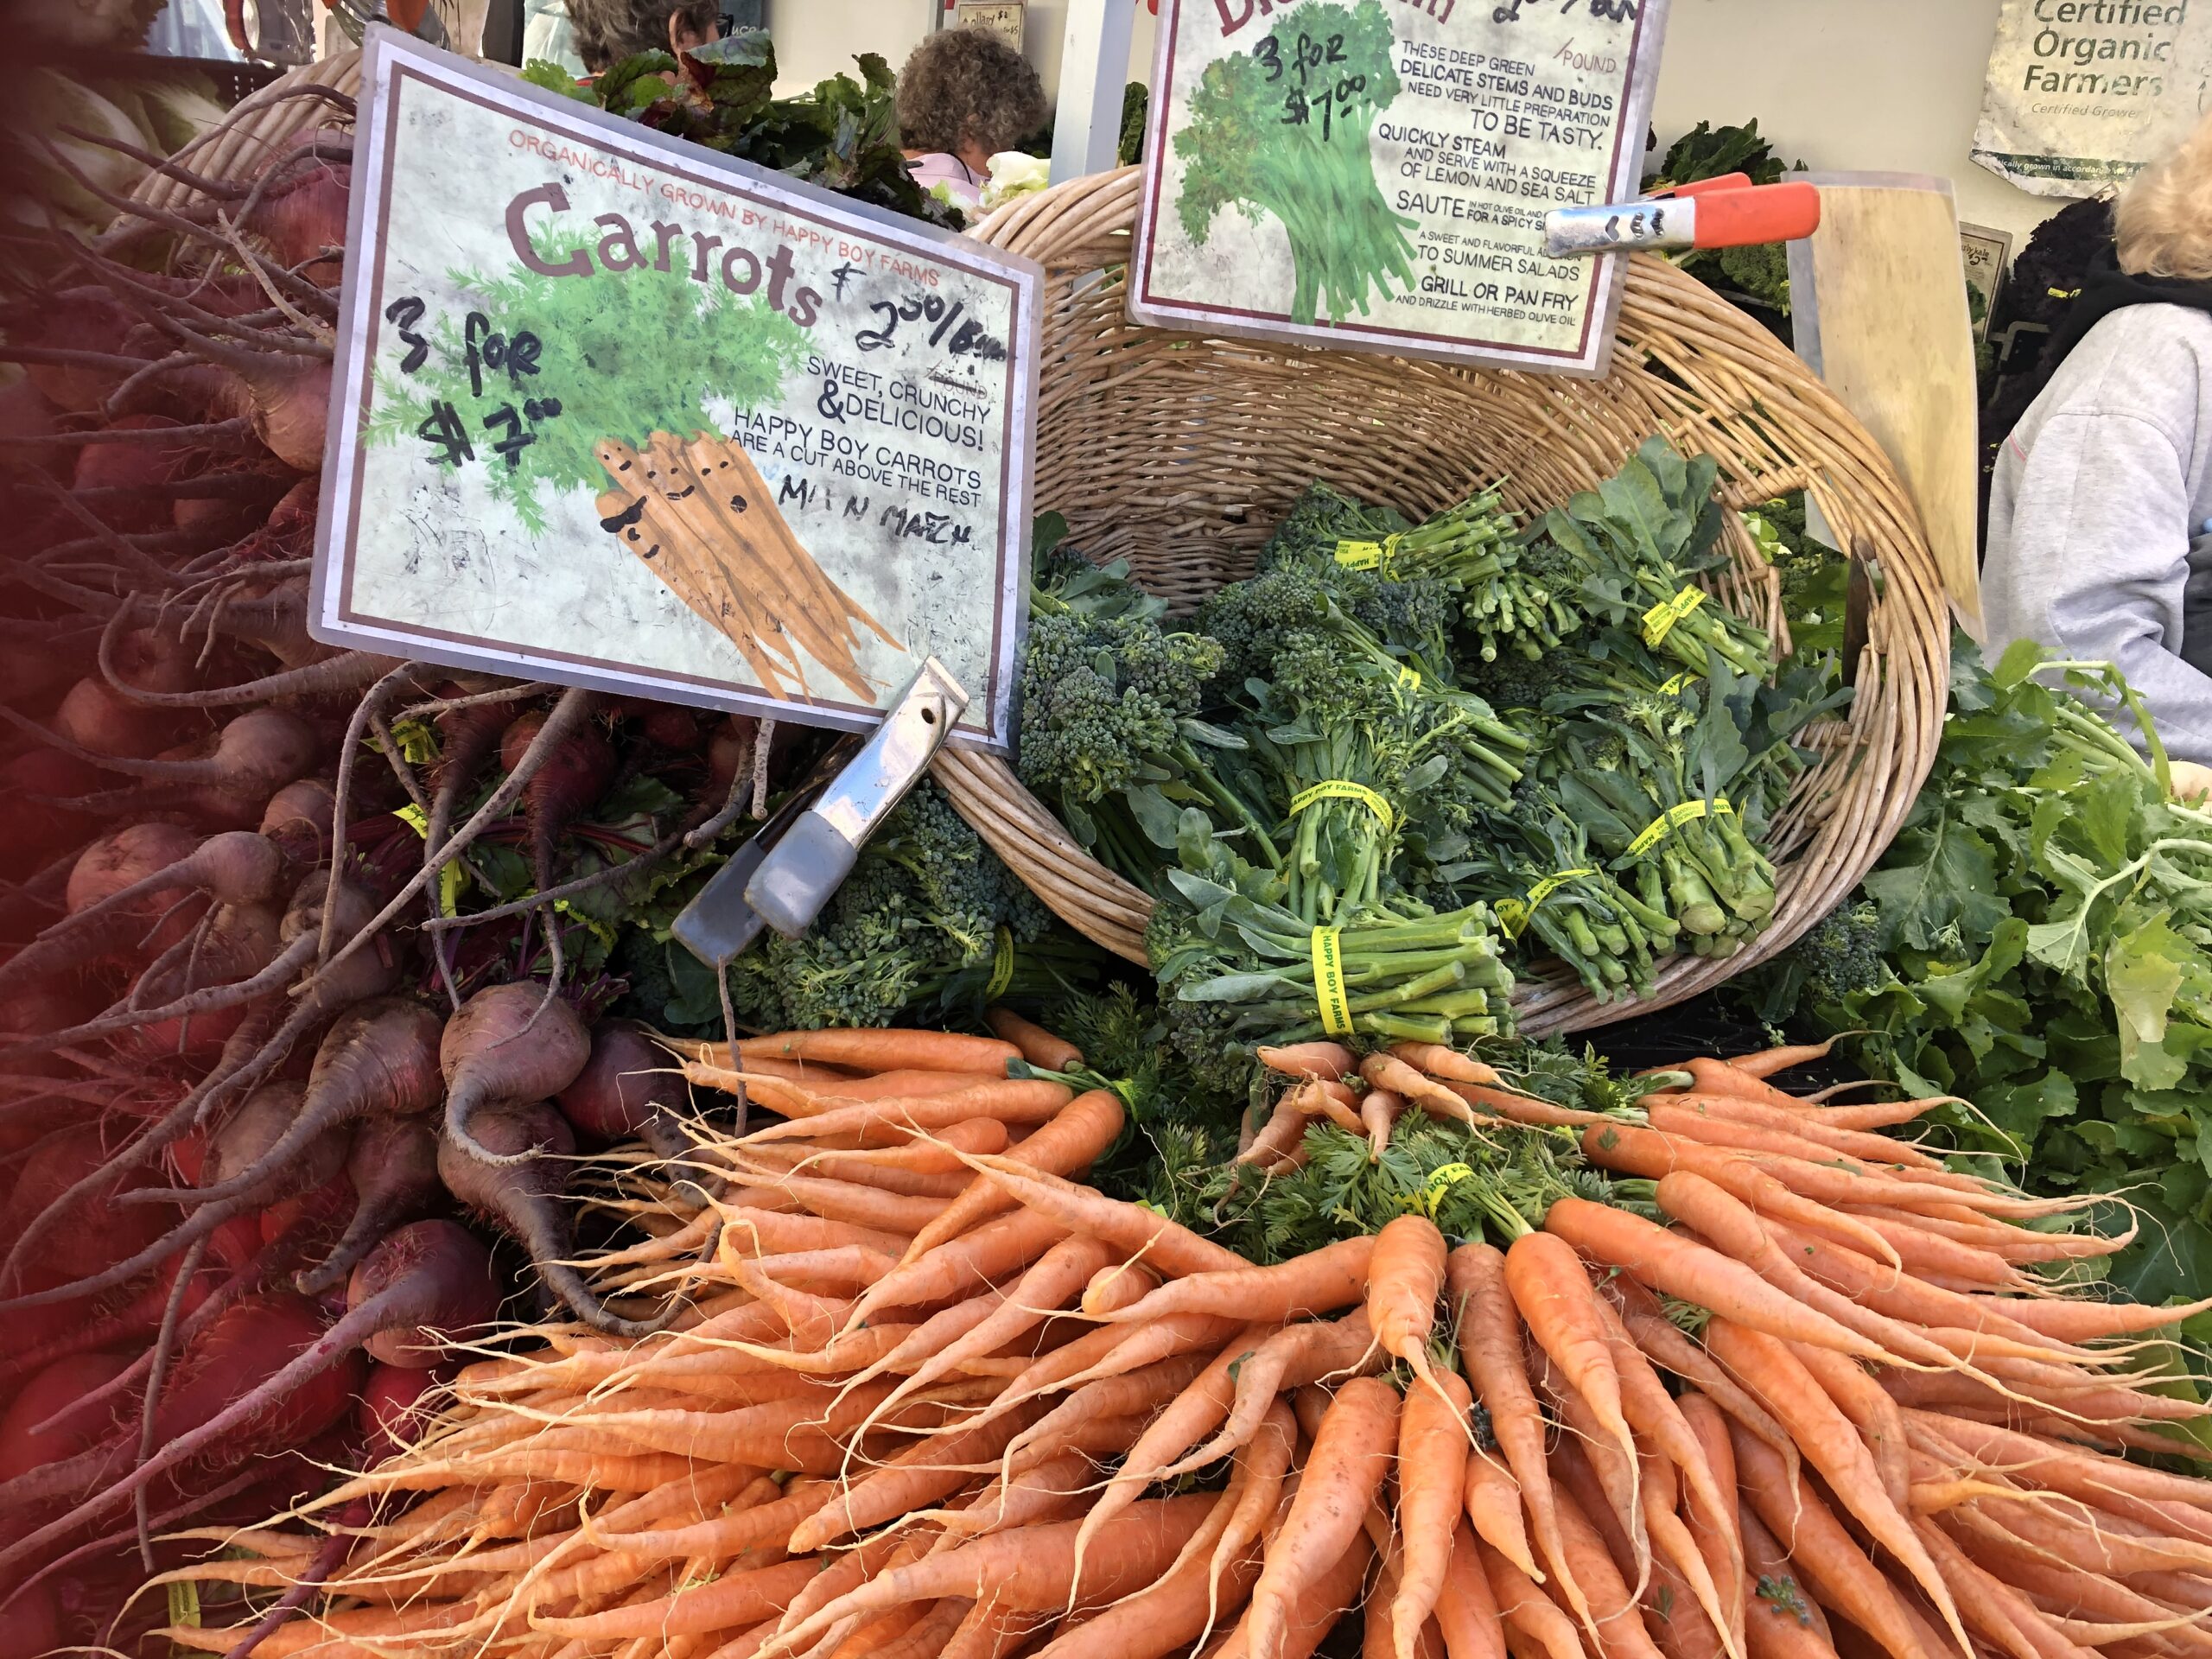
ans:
(615, 411)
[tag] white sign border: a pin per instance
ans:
(385, 51)
(1593, 361)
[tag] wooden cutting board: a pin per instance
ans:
(1878, 296)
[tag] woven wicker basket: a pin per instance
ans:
(1181, 452)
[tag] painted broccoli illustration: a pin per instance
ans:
(1283, 128)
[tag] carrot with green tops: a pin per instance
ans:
(1490, 1338)
(1326, 1097)
(1383, 1070)
(1379, 1112)
(1820, 1550)
(1321, 1060)
(1669, 1262)
(1769, 1061)
(1118, 1284)
(1038, 1046)
(1074, 1139)
(1712, 1076)
(1136, 1231)
(1024, 1100)
(1283, 1135)
(1319, 1282)
(1350, 1458)
(878, 1050)
(1432, 1446)
(1524, 1108)
(1778, 1380)
(1806, 1126)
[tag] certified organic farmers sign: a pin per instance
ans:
(1375, 172)
(614, 411)
(2082, 93)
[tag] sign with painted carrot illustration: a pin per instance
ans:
(1375, 172)
(612, 410)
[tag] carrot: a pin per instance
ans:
(1491, 1498)
(964, 1265)
(1820, 1550)
(1525, 1609)
(1166, 1244)
(1037, 1046)
(2064, 1467)
(1488, 1333)
(1669, 1262)
(1116, 1350)
(1804, 1125)
(1333, 1061)
(1118, 1284)
(939, 1155)
(1872, 1114)
(1524, 1108)
(1551, 1289)
(1262, 1463)
(1404, 1274)
(1447, 1064)
(1031, 1100)
(1467, 1612)
(885, 1051)
(1331, 1277)
(1772, 1060)
(1712, 1076)
(1319, 1604)
(1144, 1389)
(1384, 1070)
(2081, 1319)
(1606, 1483)
(1284, 1130)
(1293, 1357)
(1780, 1619)
(1159, 1620)
(1716, 1536)
(1716, 1126)
(1181, 1423)
(2005, 1617)
(1379, 1112)
(1618, 1626)
(1666, 1345)
(896, 1085)
(1432, 1481)
(1072, 1140)
(1326, 1097)
(1352, 1456)
(1031, 1570)
(1878, 1418)
(1779, 1381)
(862, 1206)
(924, 1472)
(740, 1598)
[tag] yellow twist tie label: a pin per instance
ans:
(1676, 686)
(1001, 967)
(1659, 621)
(1408, 679)
(1515, 914)
(1673, 819)
(1440, 1181)
(1368, 556)
(184, 1605)
(1329, 982)
(1340, 789)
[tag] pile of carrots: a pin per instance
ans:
(933, 1396)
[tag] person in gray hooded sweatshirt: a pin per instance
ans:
(2101, 509)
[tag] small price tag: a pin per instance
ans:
(1673, 819)
(1329, 982)
(1340, 789)
(1659, 621)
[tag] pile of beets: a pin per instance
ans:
(263, 1116)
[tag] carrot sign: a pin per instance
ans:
(609, 413)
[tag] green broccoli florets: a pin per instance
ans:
(1251, 619)
(1101, 700)
(1841, 954)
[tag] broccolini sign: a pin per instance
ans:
(2083, 93)
(1375, 174)
(612, 410)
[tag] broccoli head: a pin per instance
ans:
(1841, 954)
(1100, 699)
(1251, 619)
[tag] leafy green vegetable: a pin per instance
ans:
(2046, 917)
(1136, 99)
(1272, 132)
(1760, 272)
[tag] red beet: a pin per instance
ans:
(394, 1171)
(507, 1043)
(52, 1394)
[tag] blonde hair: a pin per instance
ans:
(2163, 219)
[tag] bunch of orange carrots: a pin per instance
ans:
(933, 1395)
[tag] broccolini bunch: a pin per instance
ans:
(928, 910)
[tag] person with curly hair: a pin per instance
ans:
(964, 96)
(608, 31)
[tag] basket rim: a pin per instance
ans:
(1080, 230)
